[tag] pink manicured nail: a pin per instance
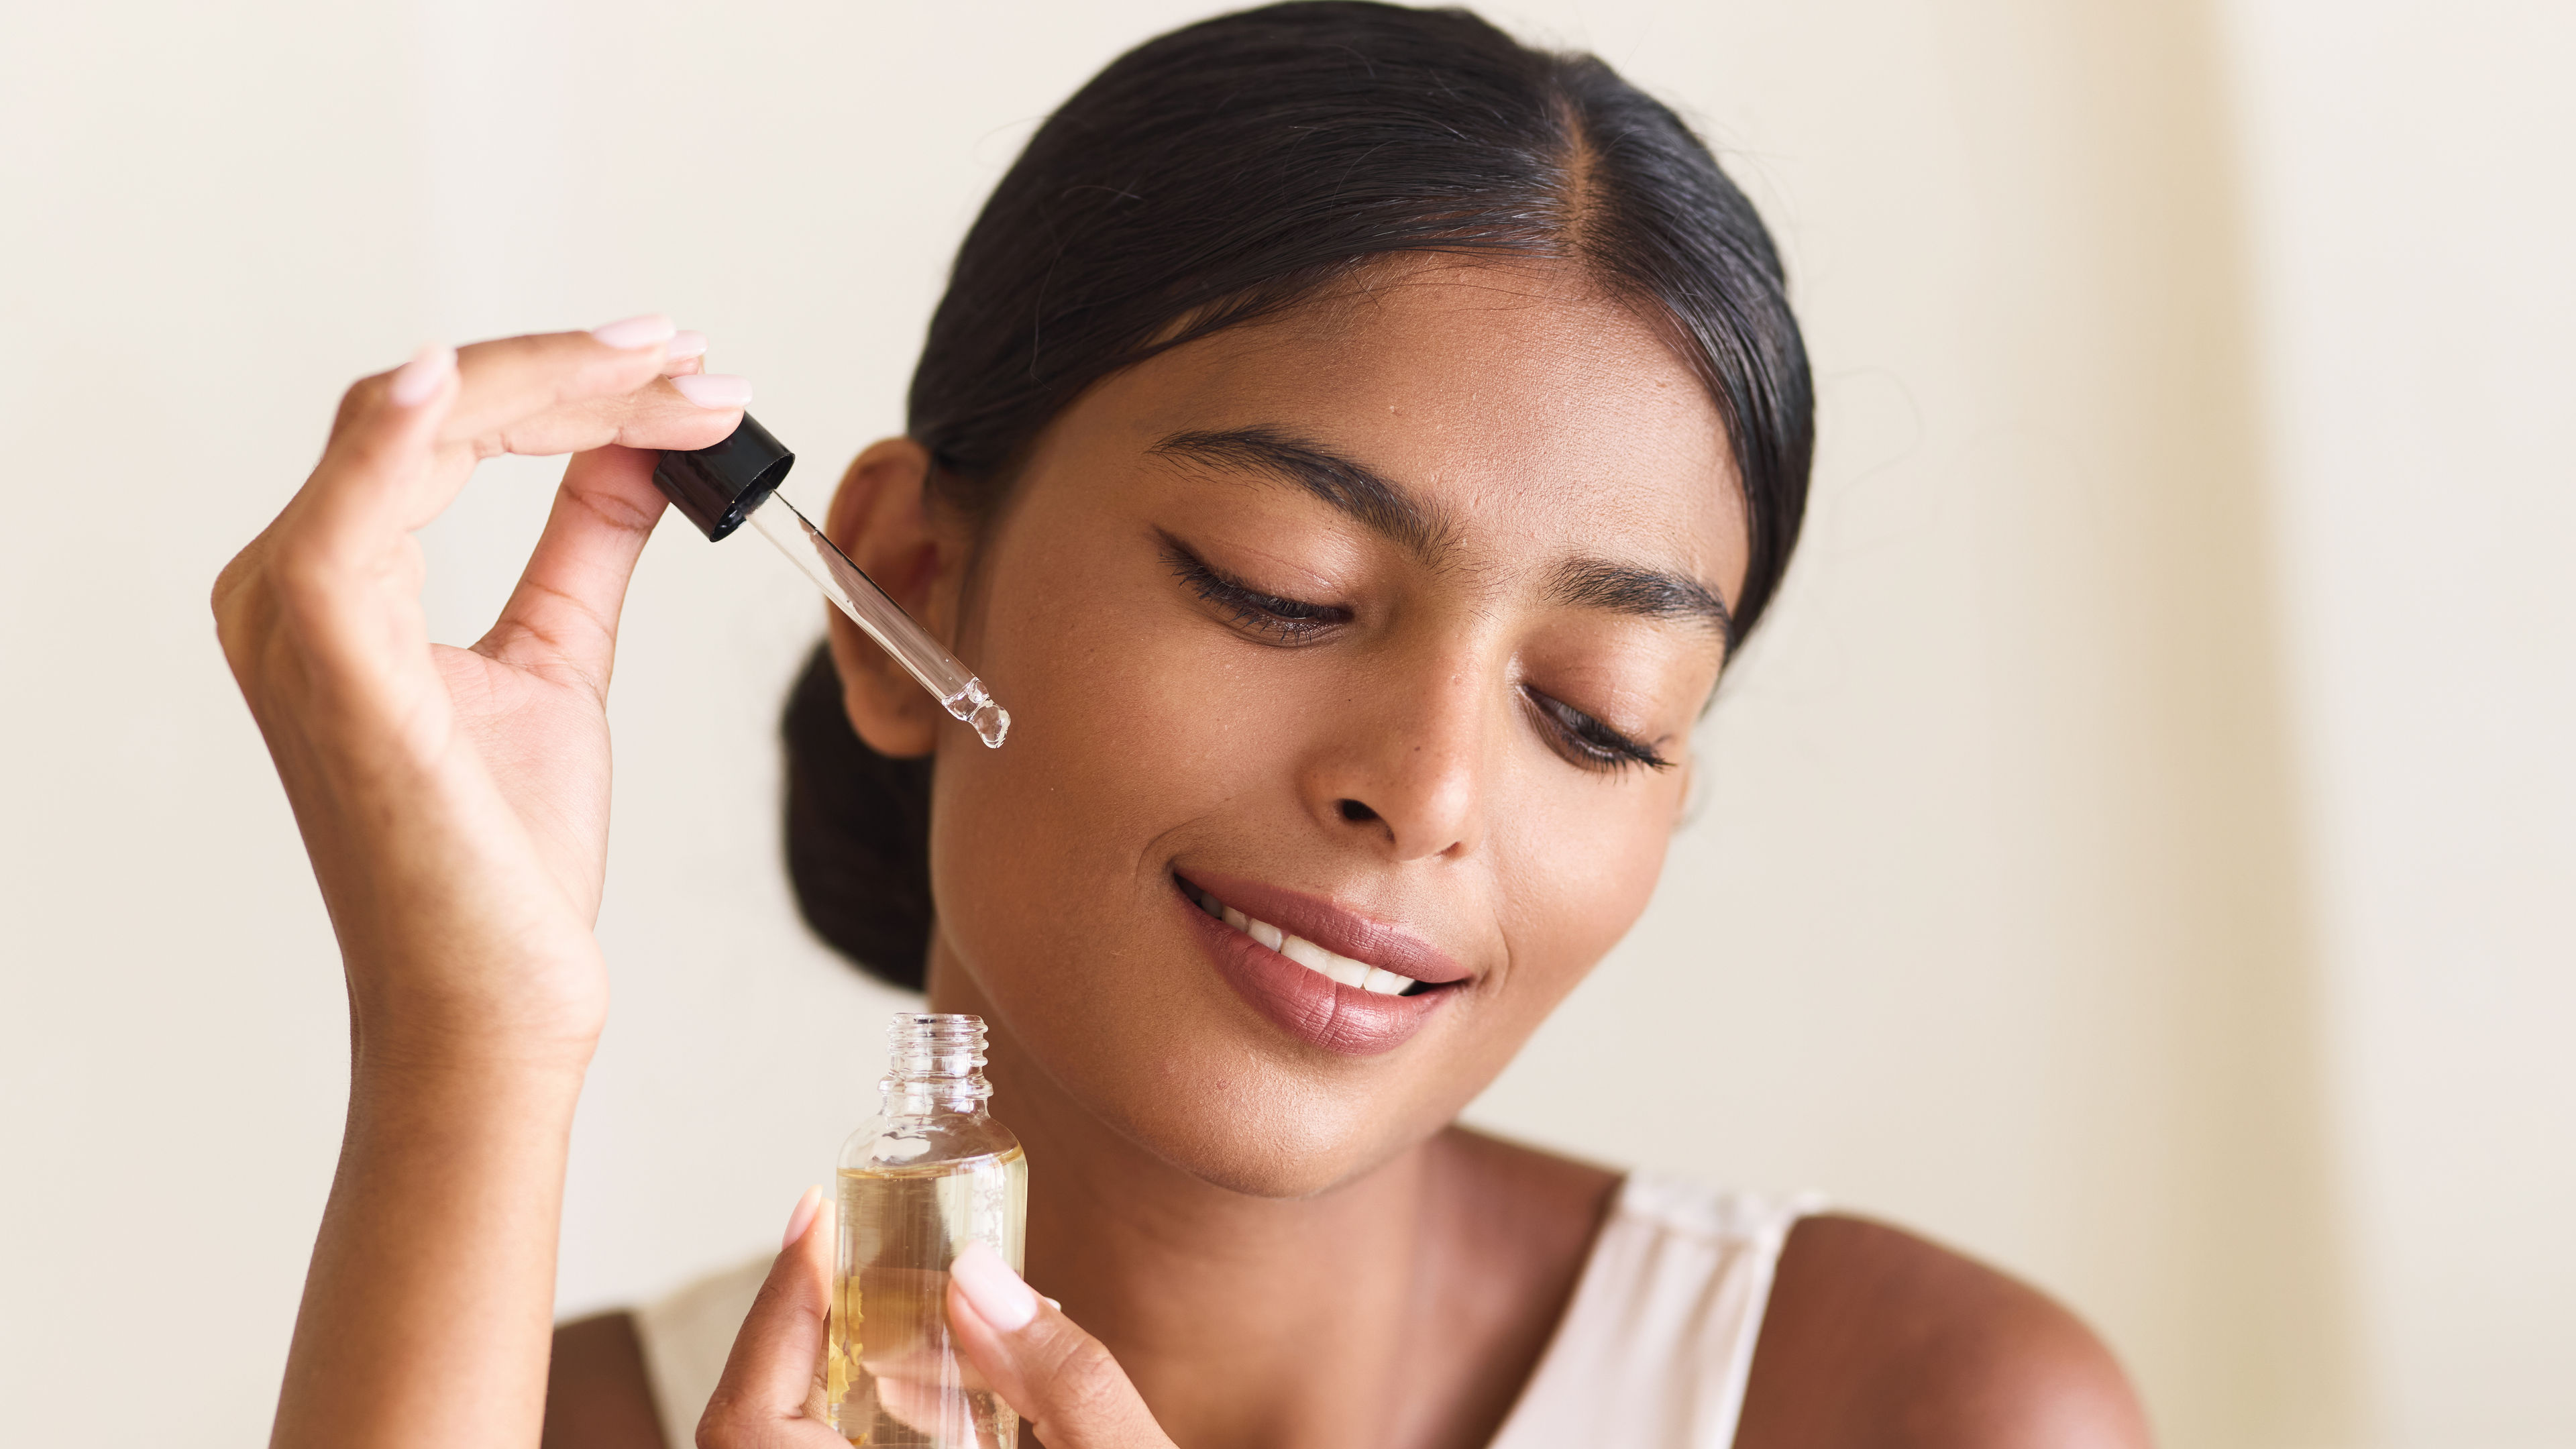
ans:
(685, 345)
(714, 389)
(417, 379)
(641, 331)
(803, 1218)
(997, 1293)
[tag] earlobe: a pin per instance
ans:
(880, 517)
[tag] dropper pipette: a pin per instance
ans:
(736, 481)
(844, 583)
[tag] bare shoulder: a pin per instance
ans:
(1877, 1337)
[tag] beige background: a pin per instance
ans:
(2140, 850)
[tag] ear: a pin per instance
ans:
(881, 517)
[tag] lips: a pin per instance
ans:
(1293, 981)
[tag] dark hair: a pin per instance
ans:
(1220, 174)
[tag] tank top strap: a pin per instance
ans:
(1656, 1347)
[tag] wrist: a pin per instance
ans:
(533, 1016)
(432, 1057)
(415, 1049)
(405, 1095)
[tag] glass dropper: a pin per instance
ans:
(722, 487)
(881, 618)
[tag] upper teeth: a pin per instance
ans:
(1309, 955)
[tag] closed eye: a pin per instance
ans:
(1586, 741)
(1578, 737)
(1269, 617)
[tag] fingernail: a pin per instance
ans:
(641, 331)
(685, 345)
(997, 1293)
(714, 389)
(803, 1218)
(415, 380)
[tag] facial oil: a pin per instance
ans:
(930, 1173)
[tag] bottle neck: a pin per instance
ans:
(932, 1099)
(936, 1067)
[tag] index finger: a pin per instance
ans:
(561, 392)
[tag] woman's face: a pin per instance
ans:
(1382, 625)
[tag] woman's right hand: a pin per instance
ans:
(455, 805)
(1067, 1389)
(455, 801)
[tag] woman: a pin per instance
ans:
(1352, 444)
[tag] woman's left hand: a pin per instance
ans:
(1065, 1386)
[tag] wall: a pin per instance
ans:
(2130, 854)
(2408, 171)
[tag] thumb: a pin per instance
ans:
(565, 608)
(770, 1379)
(1059, 1378)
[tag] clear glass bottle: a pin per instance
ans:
(931, 1172)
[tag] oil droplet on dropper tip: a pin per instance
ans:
(991, 722)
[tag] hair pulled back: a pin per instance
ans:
(1220, 174)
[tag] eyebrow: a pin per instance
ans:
(1384, 507)
(1594, 583)
(1362, 494)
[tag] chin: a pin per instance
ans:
(1279, 1143)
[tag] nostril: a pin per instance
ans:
(1357, 813)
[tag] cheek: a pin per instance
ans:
(1130, 732)
(1043, 835)
(1579, 865)
(1133, 718)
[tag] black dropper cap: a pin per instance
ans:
(718, 487)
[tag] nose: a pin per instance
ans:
(1407, 769)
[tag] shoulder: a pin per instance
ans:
(1875, 1336)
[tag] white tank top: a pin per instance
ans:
(1653, 1351)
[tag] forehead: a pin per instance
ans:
(1515, 398)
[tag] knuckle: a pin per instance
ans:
(233, 636)
(721, 1426)
(615, 510)
(228, 588)
(1088, 1382)
(245, 612)
(300, 581)
(358, 401)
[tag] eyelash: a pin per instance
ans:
(1583, 741)
(1289, 622)
(1587, 742)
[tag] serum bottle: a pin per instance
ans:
(930, 1173)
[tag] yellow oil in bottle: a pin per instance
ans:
(917, 1184)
